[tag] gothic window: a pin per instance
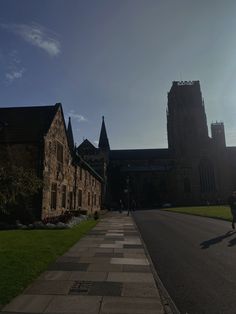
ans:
(80, 198)
(187, 185)
(59, 152)
(88, 198)
(95, 200)
(71, 201)
(207, 176)
(80, 173)
(63, 196)
(53, 196)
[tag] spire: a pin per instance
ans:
(70, 136)
(103, 139)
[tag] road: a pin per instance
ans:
(195, 258)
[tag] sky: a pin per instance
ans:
(118, 58)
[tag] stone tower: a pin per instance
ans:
(186, 118)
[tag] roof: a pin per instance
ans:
(86, 148)
(70, 136)
(103, 139)
(25, 124)
(137, 154)
(86, 166)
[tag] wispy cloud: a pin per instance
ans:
(76, 116)
(14, 75)
(36, 35)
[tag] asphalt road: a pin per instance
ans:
(195, 258)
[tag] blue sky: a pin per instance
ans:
(118, 58)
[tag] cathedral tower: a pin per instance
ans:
(186, 118)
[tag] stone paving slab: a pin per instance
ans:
(68, 266)
(106, 272)
(127, 305)
(86, 276)
(49, 287)
(55, 275)
(129, 261)
(130, 277)
(74, 304)
(29, 303)
(145, 290)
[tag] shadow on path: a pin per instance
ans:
(206, 244)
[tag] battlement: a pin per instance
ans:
(185, 83)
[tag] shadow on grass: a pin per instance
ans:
(206, 244)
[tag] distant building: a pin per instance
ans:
(194, 169)
(37, 138)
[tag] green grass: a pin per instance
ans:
(221, 212)
(24, 254)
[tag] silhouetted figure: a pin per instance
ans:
(232, 204)
(132, 207)
(121, 207)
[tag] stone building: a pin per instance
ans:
(37, 138)
(194, 169)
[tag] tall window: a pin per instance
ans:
(95, 200)
(59, 152)
(80, 198)
(88, 198)
(53, 196)
(80, 173)
(63, 196)
(207, 176)
(71, 201)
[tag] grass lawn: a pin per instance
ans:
(222, 212)
(24, 254)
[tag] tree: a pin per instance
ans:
(18, 186)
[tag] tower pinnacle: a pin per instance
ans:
(103, 139)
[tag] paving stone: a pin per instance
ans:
(144, 290)
(130, 250)
(95, 259)
(88, 276)
(100, 254)
(68, 259)
(129, 261)
(114, 234)
(28, 303)
(55, 275)
(137, 268)
(105, 267)
(101, 250)
(68, 266)
(74, 304)
(127, 305)
(49, 287)
(132, 246)
(106, 289)
(111, 246)
(134, 255)
(130, 277)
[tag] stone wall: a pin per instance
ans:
(63, 179)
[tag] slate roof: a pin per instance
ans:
(139, 154)
(103, 139)
(25, 124)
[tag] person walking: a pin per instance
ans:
(232, 204)
(121, 207)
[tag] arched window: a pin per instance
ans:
(187, 185)
(207, 176)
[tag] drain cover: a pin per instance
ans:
(80, 287)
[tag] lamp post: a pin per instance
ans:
(127, 182)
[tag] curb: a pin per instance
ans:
(167, 302)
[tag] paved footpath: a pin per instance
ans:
(106, 272)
